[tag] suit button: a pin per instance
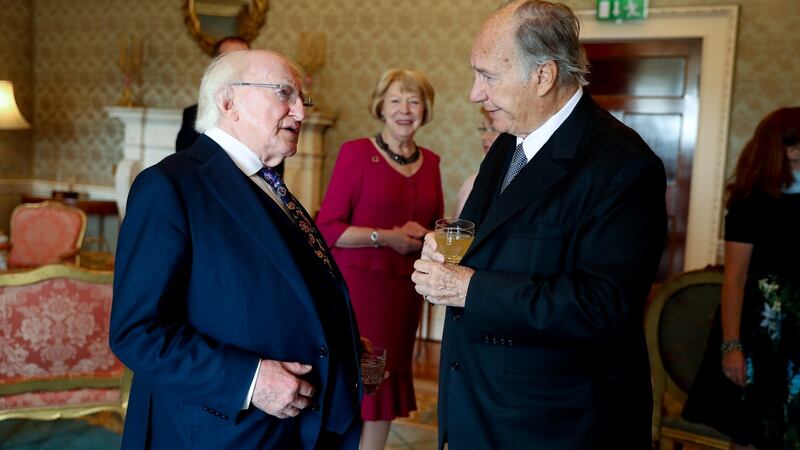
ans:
(315, 407)
(455, 365)
(323, 352)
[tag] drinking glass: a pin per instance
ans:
(373, 362)
(453, 238)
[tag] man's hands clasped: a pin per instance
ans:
(280, 391)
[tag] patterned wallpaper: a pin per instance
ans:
(16, 65)
(74, 74)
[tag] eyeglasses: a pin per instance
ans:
(485, 130)
(285, 92)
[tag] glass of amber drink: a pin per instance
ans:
(453, 238)
(373, 362)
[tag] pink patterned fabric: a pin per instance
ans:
(83, 397)
(44, 234)
(57, 328)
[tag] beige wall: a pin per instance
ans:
(72, 60)
(16, 65)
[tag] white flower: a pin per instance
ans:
(767, 286)
(772, 320)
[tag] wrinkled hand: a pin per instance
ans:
(440, 283)
(733, 366)
(429, 252)
(279, 392)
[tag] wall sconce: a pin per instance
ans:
(10, 117)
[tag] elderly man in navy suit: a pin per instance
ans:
(543, 343)
(227, 305)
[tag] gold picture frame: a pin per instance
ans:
(249, 22)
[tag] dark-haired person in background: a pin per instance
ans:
(755, 357)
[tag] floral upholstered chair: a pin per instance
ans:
(677, 324)
(45, 233)
(55, 361)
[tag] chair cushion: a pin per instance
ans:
(44, 234)
(56, 328)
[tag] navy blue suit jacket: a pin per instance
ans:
(549, 352)
(205, 285)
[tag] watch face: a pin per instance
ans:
(374, 236)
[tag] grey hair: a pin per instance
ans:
(222, 71)
(550, 32)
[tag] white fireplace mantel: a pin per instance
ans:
(150, 134)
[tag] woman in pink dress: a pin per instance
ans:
(385, 194)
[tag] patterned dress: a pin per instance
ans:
(366, 191)
(766, 413)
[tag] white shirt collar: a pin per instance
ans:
(536, 140)
(242, 156)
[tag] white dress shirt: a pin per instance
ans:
(536, 140)
(249, 164)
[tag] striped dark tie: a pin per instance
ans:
(518, 161)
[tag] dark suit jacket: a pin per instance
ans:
(210, 276)
(549, 352)
(187, 134)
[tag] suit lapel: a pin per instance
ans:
(228, 185)
(551, 164)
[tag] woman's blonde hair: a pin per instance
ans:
(410, 81)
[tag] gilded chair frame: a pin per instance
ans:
(51, 204)
(123, 381)
(663, 384)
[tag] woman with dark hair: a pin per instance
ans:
(755, 356)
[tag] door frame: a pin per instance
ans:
(717, 27)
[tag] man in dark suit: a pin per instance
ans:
(543, 343)
(227, 305)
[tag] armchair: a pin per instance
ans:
(677, 324)
(55, 361)
(45, 233)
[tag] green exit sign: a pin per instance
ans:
(621, 10)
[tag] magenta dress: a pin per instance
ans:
(366, 191)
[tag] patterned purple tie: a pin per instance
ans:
(299, 216)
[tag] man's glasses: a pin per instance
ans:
(285, 92)
(483, 129)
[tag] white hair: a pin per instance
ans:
(222, 71)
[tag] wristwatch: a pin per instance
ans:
(373, 237)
